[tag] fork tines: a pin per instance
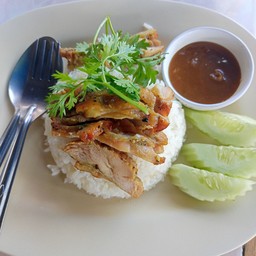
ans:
(46, 55)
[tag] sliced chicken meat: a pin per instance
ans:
(93, 130)
(103, 161)
(100, 105)
(137, 145)
(164, 97)
(155, 45)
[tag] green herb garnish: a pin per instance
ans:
(112, 62)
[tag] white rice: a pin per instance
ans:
(149, 174)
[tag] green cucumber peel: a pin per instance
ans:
(229, 160)
(208, 186)
(226, 128)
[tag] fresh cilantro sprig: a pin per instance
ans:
(112, 62)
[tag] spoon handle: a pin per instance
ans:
(8, 136)
(10, 167)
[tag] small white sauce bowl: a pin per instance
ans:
(219, 36)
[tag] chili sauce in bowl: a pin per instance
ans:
(208, 68)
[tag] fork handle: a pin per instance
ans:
(8, 174)
(8, 136)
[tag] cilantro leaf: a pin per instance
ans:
(112, 62)
(82, 47)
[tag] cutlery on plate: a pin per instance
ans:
(28, 87)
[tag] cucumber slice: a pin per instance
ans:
(229, 160)
(208, 186)
(227, 128)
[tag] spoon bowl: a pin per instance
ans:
(32, 75)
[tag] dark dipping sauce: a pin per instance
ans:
(205, 72)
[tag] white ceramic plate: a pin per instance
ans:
(47, 217)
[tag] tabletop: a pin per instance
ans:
(243, 12)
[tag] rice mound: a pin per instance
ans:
(149, 173)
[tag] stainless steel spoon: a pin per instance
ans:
(28, 88)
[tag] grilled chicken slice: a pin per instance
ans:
(151, 51)
(67, 126)
(141, 146)
(151, 36)
(137, 145)
(164, 97)
(92, 130)
(67, 131)
(138, 127)
(70, 120)
(101, 104)
(147, 97)
(103, 161)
